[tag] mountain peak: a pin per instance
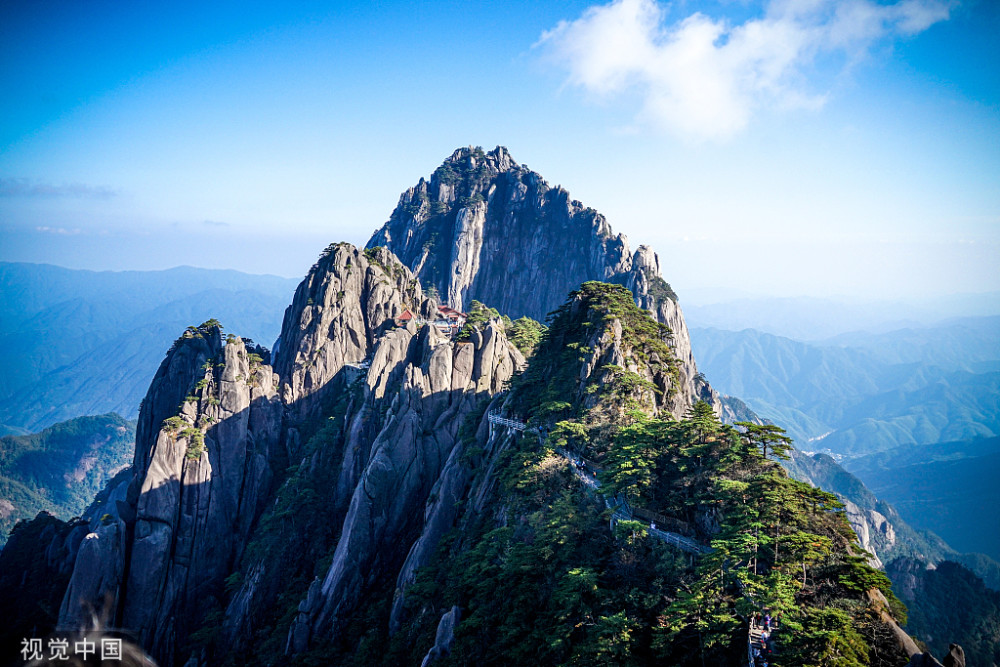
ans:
(499, 158)
(484, 227)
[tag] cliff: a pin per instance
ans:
(206, 439)
(348, 299)
(484, 227)
(374, 491)
(381, 467)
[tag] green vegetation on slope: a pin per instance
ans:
(948, 605)
(61, 469)
(542, 580)
(606, 315)
(888, 401)
(524, 332)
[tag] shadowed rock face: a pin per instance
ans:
(208, 431)
(339, 310)
(217, 422)
(486, 228)
(427, 386)
(955, 657)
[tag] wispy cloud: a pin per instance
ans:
(214, 223)
(23, 187)
(59, 231)
(704, 78)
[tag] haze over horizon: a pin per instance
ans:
(779, 148)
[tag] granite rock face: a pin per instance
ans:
(346, 301)
(486, 228)
(208, 430)
(955, 657)
(875, 532)
(426, 386)
(445, 636)
(404, 394)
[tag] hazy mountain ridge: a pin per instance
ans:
(889, 534)
(856, 399)
(817, 319)
(938, 584)
(288, 509)
(878, 395)
(30, 288)
(962, 343)
(947, 487)
(84, 342)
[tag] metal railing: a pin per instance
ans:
(622, 511)
(587, 471)
(680, 541)
(495, 418)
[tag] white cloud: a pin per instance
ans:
(704, 78)
(61, 231)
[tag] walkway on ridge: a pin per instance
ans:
(621, 510)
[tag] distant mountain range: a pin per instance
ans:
(883, 404)
(950, 488)
(83, 342)
(887, 533)
(817, 319)
(860, 393)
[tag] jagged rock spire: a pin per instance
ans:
(487, 228)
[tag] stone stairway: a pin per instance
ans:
(754, 643)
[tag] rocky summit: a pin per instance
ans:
(484, 227)
(402, 482)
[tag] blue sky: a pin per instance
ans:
(785, 148)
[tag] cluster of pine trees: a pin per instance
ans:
(542, 573)
(547, 579)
